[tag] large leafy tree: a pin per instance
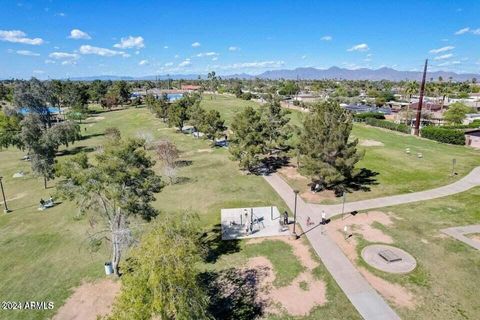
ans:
(34, 96)
(247, 140)
(276, 129)
(42, 144)
(326, 153)
(457, 112)
(119, 184)
(9, 131)
(161, 281)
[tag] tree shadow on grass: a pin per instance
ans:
(234, 293)
(93, 135)
(183, 180)
(214, 246)
(270, 165)
(74, 151)
(359, 182)
(183, 163)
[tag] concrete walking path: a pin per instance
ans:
(364, 298)
(469, 181)
(460, 232)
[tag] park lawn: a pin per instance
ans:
(399, 172)
(45, 253)
(446, 281)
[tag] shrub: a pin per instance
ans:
(387, 125)
(366, 115)
(451, 136)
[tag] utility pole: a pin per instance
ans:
(3, 195)
(295, 214)
(420, 101)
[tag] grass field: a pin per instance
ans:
(446, 281)
(44, 253)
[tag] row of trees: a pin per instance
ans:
(187, 110)
(322, 145)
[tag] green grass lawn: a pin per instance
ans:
(446, 281)
(45, 254)
(399, 172)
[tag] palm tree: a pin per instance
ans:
(411, 88)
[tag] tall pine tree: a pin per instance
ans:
(326, 154)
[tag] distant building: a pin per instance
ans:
(470, 117)
(190, 87)
(472, 138)
(363, 108)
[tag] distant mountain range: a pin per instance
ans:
(310, 74)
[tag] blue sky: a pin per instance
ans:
(61, 39)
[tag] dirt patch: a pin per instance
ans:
(474, 236)
(15, 197)
(393, 292)
(290, 172)
(89, 301)
(318, 197)
(362, 224)
(371, 143)
(205, 150)
(293, 299)
(95, 118)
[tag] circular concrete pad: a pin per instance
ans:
(371, 255)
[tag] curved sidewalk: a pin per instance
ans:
(364, 298)
(471, 180)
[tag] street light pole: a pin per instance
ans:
(343, 204)
(3, 195)
(295, 213)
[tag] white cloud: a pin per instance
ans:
(304, 57)
(207, 54)
(69, 62)
(104, 52)
(143, 63)
(462, 31)
(168, 64)
(233, 48)
(443, 56)
(27, 53)
(448, 63)
(130, 42)
(359, 47)
(326, 38)
(17, 36)
(253, 65)
(442, 49)
(177, 56)
(214, 58)
(196, 44)
(165, 47)
(185, 63)
(79, 34)
(64, 56)
(38, 71)
(61, 14)
(49, 61)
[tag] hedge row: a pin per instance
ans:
(444, 135)
(366, 115)
(388, 125)
(473, 125)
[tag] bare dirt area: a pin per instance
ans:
(474, 236)
(361, 225)
(89, 301)
(371, 143)
(293, 299)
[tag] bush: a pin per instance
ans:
(451, 136)
(366, 115)
(475, 124)
(388, 125)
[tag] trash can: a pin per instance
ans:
(108, 268)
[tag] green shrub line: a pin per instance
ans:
(400, 127)
(367, 115)
(445, 135)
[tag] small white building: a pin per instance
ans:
(470, 117)
(472, 138)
